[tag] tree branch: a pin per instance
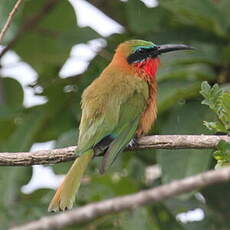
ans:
(157, 142)
(30, 24)
(92, 211)
(9, 19)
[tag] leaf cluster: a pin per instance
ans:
(218, 101)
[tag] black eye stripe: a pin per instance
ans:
(145, 50)
(135, 57)
(140, 54)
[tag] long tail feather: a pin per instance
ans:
(65, 194)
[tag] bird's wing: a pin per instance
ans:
(107, 110)
(127, 133)
(130, 112)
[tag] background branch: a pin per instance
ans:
(9, 19)
(92, 211)
(30, 24)
(157, 142)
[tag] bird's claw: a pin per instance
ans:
(133, 143)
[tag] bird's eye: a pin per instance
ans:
(141, 50)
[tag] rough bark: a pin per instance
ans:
(156, 142)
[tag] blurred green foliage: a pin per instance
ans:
(46, 45)
(222, 154)
(218, 100)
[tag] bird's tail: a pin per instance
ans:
(65, 194)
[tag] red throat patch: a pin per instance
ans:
(148, 68)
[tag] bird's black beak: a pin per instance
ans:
(172, 47)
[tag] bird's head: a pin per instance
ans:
(143, 56)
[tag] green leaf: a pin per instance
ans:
(211, 95)
(214, 126)
(219, 101)
(224, 113)
(12, 92)
(222, 154)
(11, 100)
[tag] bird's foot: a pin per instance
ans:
(133, 143)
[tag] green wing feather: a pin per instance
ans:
(118, 145)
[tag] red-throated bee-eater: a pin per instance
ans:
(118, 106)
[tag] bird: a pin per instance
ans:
(117, 108)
